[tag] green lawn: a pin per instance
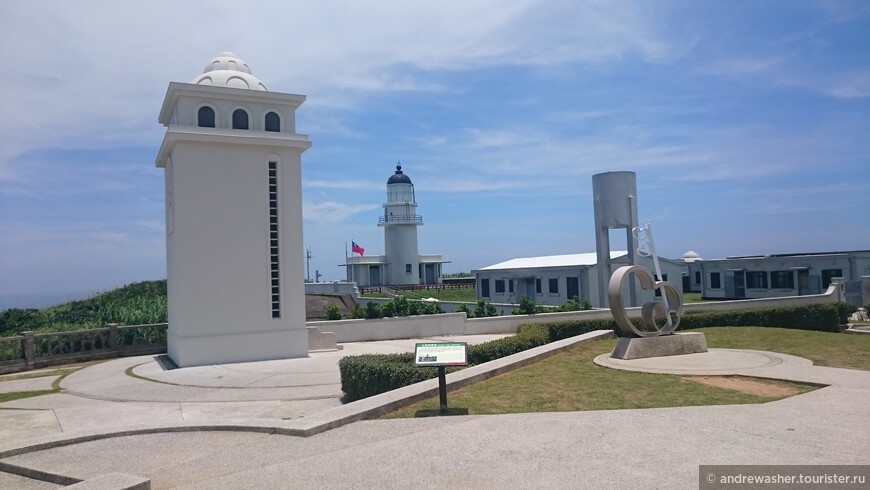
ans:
(570, 381)
(695, 298)
(823, 348)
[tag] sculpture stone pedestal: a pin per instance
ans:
(664, 345)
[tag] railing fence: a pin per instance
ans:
(31, 350)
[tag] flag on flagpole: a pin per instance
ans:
(357, 249)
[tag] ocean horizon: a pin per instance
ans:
(39, 300)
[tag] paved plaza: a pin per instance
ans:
(244, 426)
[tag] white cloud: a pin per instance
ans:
(93, 74)
(333, 212)
(366, 185)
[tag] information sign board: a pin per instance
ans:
(440, 354)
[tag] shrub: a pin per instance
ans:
(484, 309)
(432, 308)
(373, 311)
(389, 309)
(527, 337)
(332, 312)
(371, 374)
(844, 311)
(463, 308)
(527, 307)
(824, 317)
(413, 308)
(574, 304)
(358, 312)
(401, 305)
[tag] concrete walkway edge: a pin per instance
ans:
(316, 423)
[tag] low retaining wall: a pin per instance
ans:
(332, 288)
(406, 327)
(832, 295)
(458, 324)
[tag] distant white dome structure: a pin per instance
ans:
(691, 256)
(228, 70)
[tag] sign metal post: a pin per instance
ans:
(441, 355)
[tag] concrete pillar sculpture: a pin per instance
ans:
(615, 204)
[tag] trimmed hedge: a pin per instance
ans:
(823, 317)
(372, 374)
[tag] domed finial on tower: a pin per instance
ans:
(399, 177)
(228, 70)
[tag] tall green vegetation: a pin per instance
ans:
(134, 304)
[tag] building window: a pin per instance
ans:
(499, 286)
(484, 288)
(756, 280)
(205, 117)
(240, 119)
(658, 292)
(275, 282)
(553, 286)
(273, 122)
(407, 268)
(781, 280)
(538, 286)
(828, 274)
(697, 277)
(715, 280)
(510, 286)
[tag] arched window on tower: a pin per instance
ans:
(205, 117)
(273, 122)
(240, 119)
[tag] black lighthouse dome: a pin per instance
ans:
(399, 177)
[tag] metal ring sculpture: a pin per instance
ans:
(649, 311)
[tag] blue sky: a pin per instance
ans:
(747, 123)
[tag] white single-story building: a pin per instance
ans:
(770, 276)
(553, 280)
(692, 281)
(373, 270)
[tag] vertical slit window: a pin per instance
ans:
(272, 200)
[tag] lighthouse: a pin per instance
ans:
(400, 222)
(401, 264)
(232, 161)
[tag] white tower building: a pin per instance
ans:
(401, 265)
(400, 223)
(232, 161)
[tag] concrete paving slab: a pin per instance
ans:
(656, 448)
(241, 410)
(713, 362)
(20, 424)
(8, 480)
(32, 384)
(82, 418)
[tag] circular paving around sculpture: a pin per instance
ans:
(713, 362)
